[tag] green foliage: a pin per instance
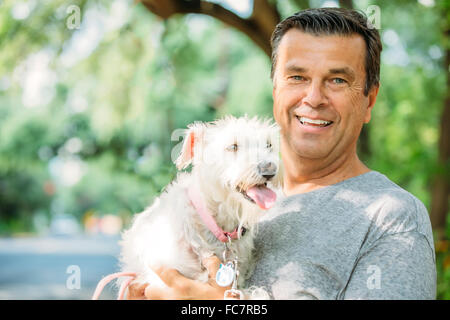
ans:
(99, 137)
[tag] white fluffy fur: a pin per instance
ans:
(170, 233)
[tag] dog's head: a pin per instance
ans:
(238, 156)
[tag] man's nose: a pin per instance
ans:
(314, 95)
(267, 169)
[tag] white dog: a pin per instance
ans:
(234, 160)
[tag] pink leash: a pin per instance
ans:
(111, 277)
(209, 221)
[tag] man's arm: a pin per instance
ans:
(180, 287)
(397, 266)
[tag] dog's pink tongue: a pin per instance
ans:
(264, 197)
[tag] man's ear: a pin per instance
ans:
(372, 96)
(193, 140)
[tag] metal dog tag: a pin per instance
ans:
(234, 293)
(225, 275)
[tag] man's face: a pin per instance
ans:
(318, 93)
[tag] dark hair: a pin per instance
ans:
(335, 21)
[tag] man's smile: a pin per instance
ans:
(313, 125)
(314, 122)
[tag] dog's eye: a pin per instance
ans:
(232, 147)
(268, 145)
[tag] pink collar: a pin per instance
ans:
(208, 220)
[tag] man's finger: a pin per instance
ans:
(211, 264)
(168, 276)
(136, 291)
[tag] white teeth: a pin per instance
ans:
(319, 122)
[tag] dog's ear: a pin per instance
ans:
(192, 141)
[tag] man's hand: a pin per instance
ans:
(180, 287)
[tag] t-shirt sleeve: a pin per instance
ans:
(397, 266)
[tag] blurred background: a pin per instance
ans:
(91, 93)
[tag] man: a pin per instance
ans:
(342, 231)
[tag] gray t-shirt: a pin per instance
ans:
(362, 238)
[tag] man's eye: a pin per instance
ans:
(297, 78)
(338, 81)
(232, 147)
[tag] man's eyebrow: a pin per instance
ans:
(292, 68)
(295, 68)
(345, 70)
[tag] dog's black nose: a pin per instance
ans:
(267, 169)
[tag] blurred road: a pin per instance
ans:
(37, 268)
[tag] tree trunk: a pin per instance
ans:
(346, 4)
(258, 27)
